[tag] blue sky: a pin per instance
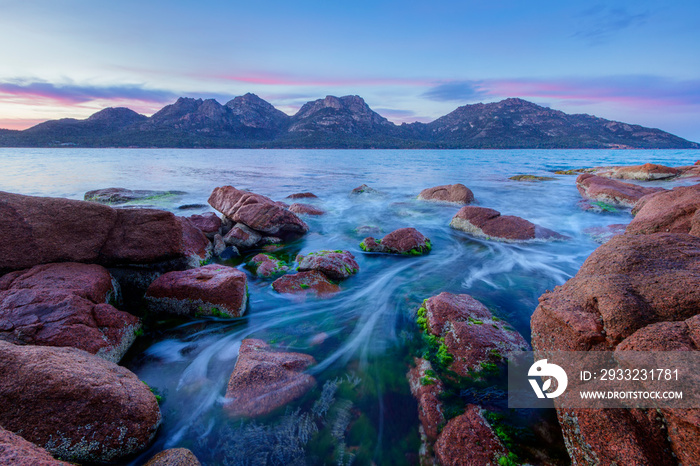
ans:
(411, 61)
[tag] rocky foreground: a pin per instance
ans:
(71, 271)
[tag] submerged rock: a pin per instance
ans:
(646, 172)
(174, 457)
(426, 388)
(490, 224)
(66, 304)
(306, 209)
(264, 380)
(406, 241)
(531, 178)
(454, 193)
(468, 440)
(267, 266)
(605, 233)
(669, 211)
(312, 282)
(610, 191)
(77, 406)
(635, 292)
(257, 212)
(305, 195)
(16, 451)
(123, 195)
(337, 265)
(212, 290)
(209, 223)
(363, 189)
(474, 338)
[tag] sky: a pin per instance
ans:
(632, 61)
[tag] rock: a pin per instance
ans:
(123, 195)
(257, 212)
(77, 406)
(16, 451)
(264, 380)
(605, 233)
(267, 266)
(364, 190)
(212, 290)
(219, 245)
(337, 265)
(597, 207)
(610, 191)
(668, 211)
(490, 224)
(242, 237)
(313, 282)
(174, 457)
(65, 305)
(365, 230)
(635, 292)
(468, 440)
(695, 224)
(302, 196)
(208, 222)
(531, 178)
(454, 193)
(646, 172)
(426, 389)
(306, 209)
(192, 207)
(42, 230)
(473, 336)
(406, 241)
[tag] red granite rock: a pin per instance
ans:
(363, 189)
(267, 266)
(468, 440)
(406, 241)
(242, 237)
(79, 407)
(426, 389)
(312, 282)
(305, 195)
(174, 457)
(208, 222)
(337, 265)
(65, 305)
(669, 211)
(454, 193)
(482, 222)
(16, 451)
(209, 290)
(306, 209)
(256, 211)
(646, 172)
(610, 191)
(264, 380)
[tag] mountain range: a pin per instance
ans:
(339, 122)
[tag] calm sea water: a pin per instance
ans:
(363, 338)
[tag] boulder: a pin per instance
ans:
(77, 406)
(363, 189)
(66, 304)
(406, 241)
(219, 245)
(174, 457)
(208, 222)
(337, 265)
(473, 336)
(257, 212)
(531, 178)
(41, 230)
(610, 191)
(312, 282)
(264, 380)
(212, 290)
(490, 224)
(306, 209)
(242, 237)
(468, 440)
(16, 451)
(305, 195)
(646, 172)
(426, 389)
(668, 211)
(267, 266)
(454, 193)
(635, 292)
(123, 195)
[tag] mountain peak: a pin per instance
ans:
(117, 115)
(255, 112)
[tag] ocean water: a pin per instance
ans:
(363, 338)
